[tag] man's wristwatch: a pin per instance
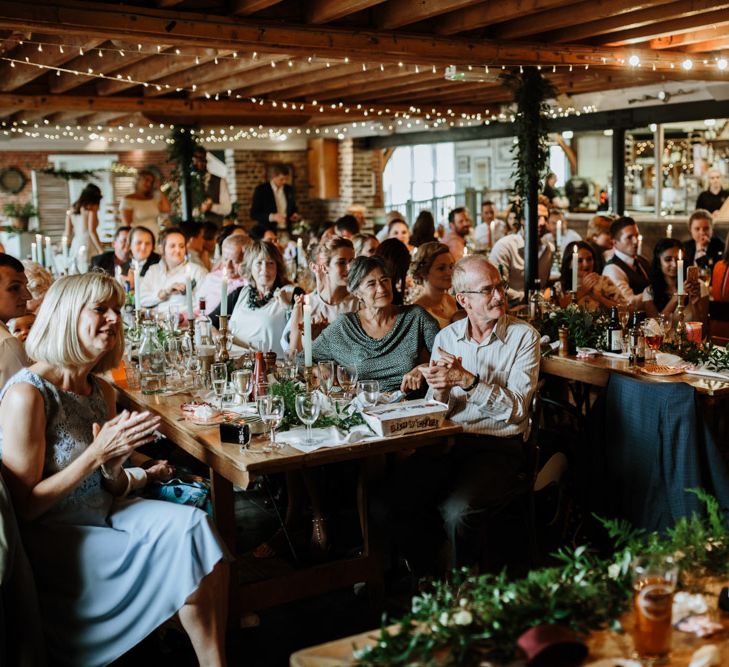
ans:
(473, 384)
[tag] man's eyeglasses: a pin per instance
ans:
(489, 290)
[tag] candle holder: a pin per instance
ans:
(223, 354)
(556, 269)
(680, 321)
(309, 378)
(191, 334)
(573, 296)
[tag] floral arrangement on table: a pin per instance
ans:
(707, 354)
(470, 618)
(586, 327)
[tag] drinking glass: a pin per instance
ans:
(308, 407)
(347, 377)
(654, 581)
(219, 378)
(173, 317)
(368, 392)
(326, 376)
(624, 315)
(284, 371)
(242, 383)
(271, 411)
(654, 330)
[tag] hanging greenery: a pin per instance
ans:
(184, 177)
(82, 175)
(531, 92)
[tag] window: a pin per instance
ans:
(419, 173)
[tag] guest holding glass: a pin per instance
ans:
(432, 270)
(593, 290)
(165, 283)
(384, 341)
(109, 568)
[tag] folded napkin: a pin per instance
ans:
(616, 355)
(323, 437)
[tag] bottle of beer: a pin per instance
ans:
(614, 332)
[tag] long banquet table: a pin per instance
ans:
(228, 467)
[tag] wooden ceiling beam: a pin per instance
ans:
(717, 30)
(323, 11)
(554, 19)
(103, 118)
(397, 13)
(637, 19)
(246, 7)
(203, 30)
(707, 47)
(626, 38)
(319, 79)
(12, 77)
(384, 96)
(166, 4)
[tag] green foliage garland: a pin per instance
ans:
(81, 175)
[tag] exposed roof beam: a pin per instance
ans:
(664, 28)
(716, 31)
(319, 79)
(246, 7)
(165, 4)
(707, 47)
(397, 13)
(323, 11)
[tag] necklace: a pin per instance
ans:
(255, 301)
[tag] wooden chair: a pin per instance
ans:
(719, 322)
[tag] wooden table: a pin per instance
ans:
(228, 466)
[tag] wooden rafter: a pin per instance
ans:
(323, 11)
(397, 13)
(246, 7)
(664, 28)
(716, 31)
(319, 79)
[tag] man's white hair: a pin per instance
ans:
(464, 266)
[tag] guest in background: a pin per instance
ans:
(396, 256)
(598, 236)
(399, 230)
(216, 203)
(195, 242)
(432, 270)
(145, 205)
(704, 249)
(141, 248)
(39, 282)
(273, 205)
(720, 278)
(385, 342)
(365, 244)
(391, 216)
(164, 283)
(594, 290)
(20, 326)
(459, 227)
(660, 296)
(82, 222)
(360, 214)
(549, 191)
(568, 235)
(231, 263)
(210, 236)
(423, 229)
(629, 271)
(231, 230)
(482, 235)
(712, 199)
(118, 256)
(347, 227)
(14, 296)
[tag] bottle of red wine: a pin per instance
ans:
(614, 332)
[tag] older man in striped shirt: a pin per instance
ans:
(485, 367)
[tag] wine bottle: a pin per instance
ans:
(614, 332)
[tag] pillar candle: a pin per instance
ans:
(299, 250)
(118, 275)
(492, 230)
(137, 286)
(669, 231)
(224, 293)
(307, 332)
(33, 252)
(188, 293)
(559, 233)
(465, 251)
(39, 249)
(640, 244)
(49, 253)
(575, 262)
(64, 252)
(679, 272)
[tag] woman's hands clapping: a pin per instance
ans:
(119, 437)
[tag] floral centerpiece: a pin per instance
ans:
(586, 328)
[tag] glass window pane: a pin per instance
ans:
(397, 176)
(423, 163)
(445, 161)
(422, 190)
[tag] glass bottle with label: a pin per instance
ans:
(614, 332)
(151, 360)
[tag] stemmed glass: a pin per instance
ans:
(219, 378)
(347, 377)
(173, 317)
(308, 407)
(368, 392)
(654, 330)
(242, 383)
(284, 371)
(326, 376)
(271, 411)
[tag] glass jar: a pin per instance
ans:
(151, 360)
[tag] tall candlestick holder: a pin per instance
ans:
(191, 334)
(223, 330)
(680, 321)
(309, 378)
(555, 270)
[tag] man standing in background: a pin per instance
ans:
(215, 204)
(274, 205)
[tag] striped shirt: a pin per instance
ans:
(507, 363)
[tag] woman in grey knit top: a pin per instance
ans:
(384, 341)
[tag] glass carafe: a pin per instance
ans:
(151, 360)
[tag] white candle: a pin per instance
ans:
(39, 249)
(679, 272)
(299, 250)
(559, 233)
(492, 231)
(118, 275)
(307, 332)
(49, 253)
(575, 262)
(33, 251)
(137, 286)
(224, 293)
(465, 250)
(640, 244)
(188, 292)
(669, 231)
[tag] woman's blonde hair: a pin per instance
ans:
(54, 337)
(600, 224)
(424, 258)
(270, 251)
(39, 279)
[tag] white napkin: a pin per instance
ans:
(323, 437)
(705, 372)
(616, 355)
(667, 359)
(384, 399)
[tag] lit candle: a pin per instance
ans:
(640, 244)
(188, 293)
(559, 233)
(49, 253)
(118, 275)
(679, 273)
(307, 331)
(224, 293)
(33, 251)
(492, 231)
(465, 250)
(39, 249)
(64, 252)
(669, 231)
(137, 286)
(575, 262)
(299, 250)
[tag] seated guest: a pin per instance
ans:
(141, 248)
(398, 229)
(118, 256)
(231, 230)
(14, 296)
(231, 263)
(629, 271)
(659, 298)
(482, 235)
(210, 236)
(432, 270)
(568, 235)
(508, 255)
(164, 283)
(347, 227)
(704, 249)
(459, 227)
(720, 278)
(485, 368)
(39, 281)
(20, 326)
(594, 291)
(195, 243)
(389, 218)
(598, 236)
(258, 311)
(384, 341)
(109, 569)
(365, 244)
(329, 262)
(397, 260)
(423, 229)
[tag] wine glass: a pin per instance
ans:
(654, 330)
(284, 371)
(219, 378)
(308, 407)
(271, 411)
(624, 314)
(173, 317)
(347, 377)
(326, 376)
(368, 392)
(242, 383)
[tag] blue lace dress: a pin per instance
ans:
(108, 570)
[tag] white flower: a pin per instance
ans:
(614, 571)
(552, 315)
(444, 618)
(463, 617)
(463, 602)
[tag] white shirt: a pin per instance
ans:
(281, 204)
(482, 234)
(619, 277)
(145, 212)
(568, 236)
(12, 355)
(508, 254)
(260, 328)
(224, 206)
(159, 277)
(507, 363)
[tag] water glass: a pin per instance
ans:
(134, 379)
(219, 378)
(308, 407)
(173, 317)
(368, 392)
(326, 376)
(347, 377)
(271, 410)
(284, 371)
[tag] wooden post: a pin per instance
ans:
(618, 195)
(531, 236)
